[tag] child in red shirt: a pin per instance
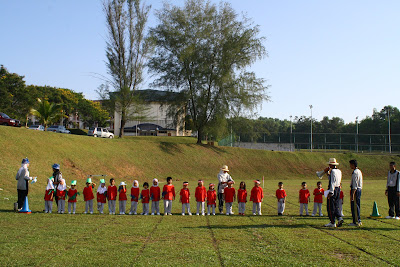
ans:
(168, 194)
(318, 194)
(281, 197)
(122, 198)
(211, 199)
(304, 198)
(257, 196)
(48, 196)
(200, 195)
(101, 196)
(242, 198)
(134, 197)
(112, 192)
(88, 195)
(145, 195)
(155, 197)
(229, 196)
(61, 192)
(185, 198)
(72, 194)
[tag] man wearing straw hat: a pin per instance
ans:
(335, 178)
(223, 178)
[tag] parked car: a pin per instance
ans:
(6, 120)
(37, 127)
(100, 132)
(58, 129)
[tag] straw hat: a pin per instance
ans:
(225, 168)
(332, 161)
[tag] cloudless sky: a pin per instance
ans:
(341, 56)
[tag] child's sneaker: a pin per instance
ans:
(86, 212)
(73, 213)
(213, 214)
(208, 214)
(254, 214)
(152, 213)
(135, 213)
(203, 214)
(158, 213)
(321, 215)
(165, 214)
(197, 214)
(313, 215)
(183, 214)
(330, 225)
(110, 213)
(190, 214)
(69, 212)
(227, 213)
(170, 214)
(389, 217)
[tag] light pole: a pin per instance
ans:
(291, 131)
(357, 132)
(311, 106)
(390, 139)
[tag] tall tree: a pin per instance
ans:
(127, 52)
(203, 51)
(47, 113)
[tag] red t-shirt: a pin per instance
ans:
(200, 194)
(304, 194)
(135, 194)
(71, 193)
(211, 197)
(185, 194)
(280, 193)
(242, 195)
(229, 194)
(341, 194)
(61, 194)
(169, 192)
(122, 195)
(318, 194)
(256, 194)
(112, 192)
(88, 193)
(101, 198)
(155, 193)
(47, 196)
(145, 195)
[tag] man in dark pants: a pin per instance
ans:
(335, 178)
(355, 193)
(393, 192)
(223, 178)
(23, 182)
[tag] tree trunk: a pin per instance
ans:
(123, 121)
(199, 136)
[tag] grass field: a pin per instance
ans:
(53, 239)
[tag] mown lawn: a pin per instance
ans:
(267, 240)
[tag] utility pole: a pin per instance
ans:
(311, 137)
(390, 138)
(357, 132)
(291, 131)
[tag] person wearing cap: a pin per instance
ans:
(48, 196)
(257, 196)
(134, 197)
(88, 196)
(122, 198)
(112, 192)
(393, 192)
(155, 194)
(57, 176)
(61, 192)
(23, 179)
(200, 195)
(211, 199)
(72, 194)
(355, 192)
(101, 196)
(185, 198)
(335, 179)
(223, 178)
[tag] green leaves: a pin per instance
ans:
(47, 113)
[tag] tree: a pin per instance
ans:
(203, 51)
(47, 113)
(127, 50)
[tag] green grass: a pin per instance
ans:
(53, 239)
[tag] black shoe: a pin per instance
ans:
(339, 224)
(280, 214)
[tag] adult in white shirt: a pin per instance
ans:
(335, 179)
(223, 178)
(23, 179)
(393, 192)
(355, 192)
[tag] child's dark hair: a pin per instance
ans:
(318, 183)
(354, 162)
(169, 178)
(185, 182)
(393, 163)
(242, 182)
(145, 184)
(303, 183)
(280, 183)
(112, 179)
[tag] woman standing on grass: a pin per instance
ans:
(223, 178)
(23, 179)
(57, 176)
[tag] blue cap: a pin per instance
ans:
(25, 161)
(56, 166)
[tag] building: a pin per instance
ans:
(157, 121)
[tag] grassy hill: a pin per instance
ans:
(144, 158)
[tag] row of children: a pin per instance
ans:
(146, 194)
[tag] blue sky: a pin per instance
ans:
(340, 56)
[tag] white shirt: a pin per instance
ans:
(392, 179)
(223, 177)
(356, 179)
(336, 179)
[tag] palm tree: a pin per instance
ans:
(47, 113)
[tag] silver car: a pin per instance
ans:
(58, 129)
(100, 132)
(37, 127)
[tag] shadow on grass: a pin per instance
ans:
(170, 148)
(249, 226)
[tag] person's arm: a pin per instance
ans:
(398, 183)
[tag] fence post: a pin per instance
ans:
(370, 144)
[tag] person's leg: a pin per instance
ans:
(337, 213)
(220, 202)
(203, 208)
(315, 209)
(158, 207)
(320, 209)
(135, 204)
(330, 208)
(353, 207)
(397, 205)
(20, 201)
(188, 205)
(358, 203)
(283, 205)
(213, 209)
(208, 209)
(259, 208)
(153, 207)
(46, 209)
(69, 207)
(301, 209)
(306, 207)
(91, 206)
(73, 207)
(123, 207)
(183, 208)
(50, 206)
(254, 208)
(59, 206)
(198, 207)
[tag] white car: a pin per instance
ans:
(100, 132)
(58, 129)
(37, 127)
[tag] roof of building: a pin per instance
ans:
(148, 127)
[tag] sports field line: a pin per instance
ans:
(215, 242)
(140, 252)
